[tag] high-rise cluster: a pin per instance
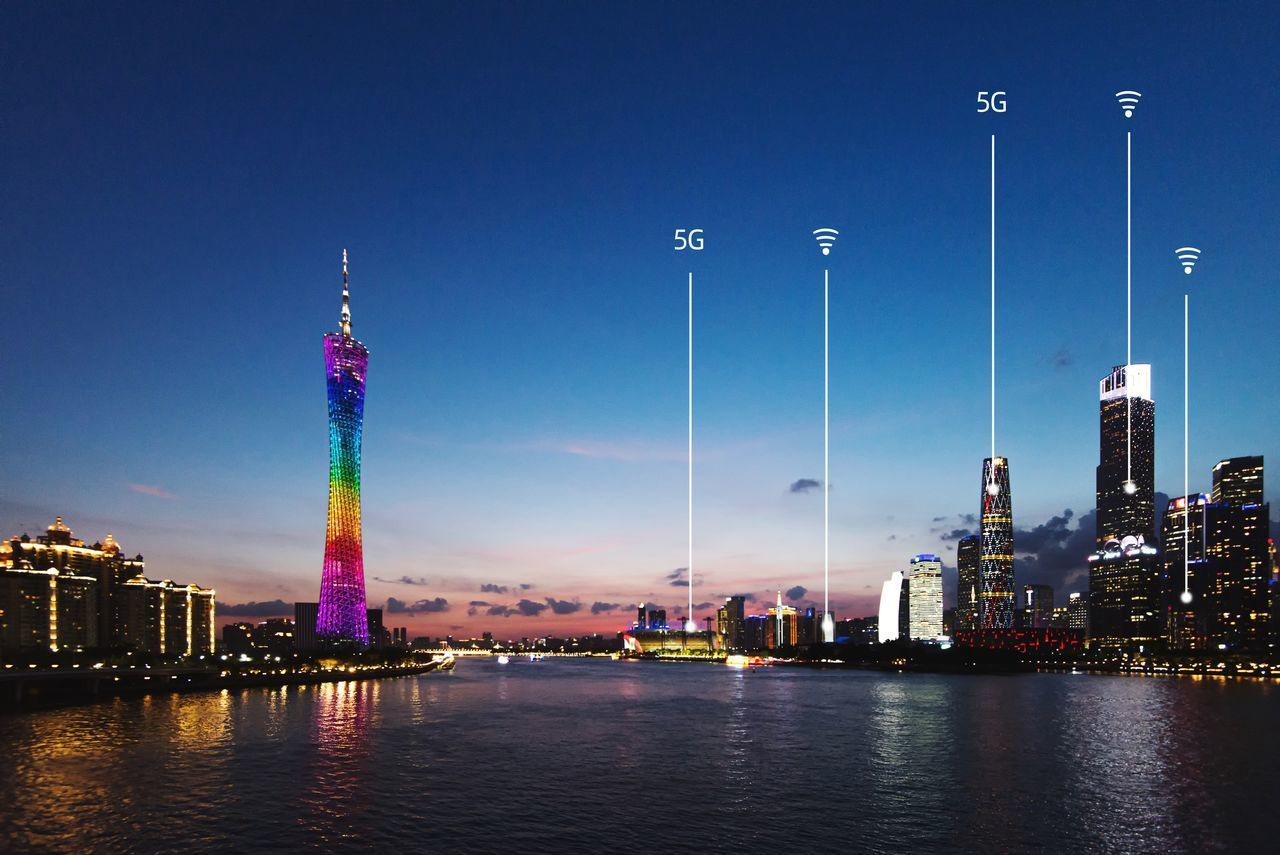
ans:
(1217, 552)
(58, 593)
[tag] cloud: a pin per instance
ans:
(474, 607)
(599, 608)
(957, 534)
(526, 586)
(1055, 553)
(804, 485)
(151, 490)
(403, 580)
(938, 519)
(626, 452)
(527, 608)
(266, 608)
(1055, 531)
(703, 605)
(439, 604)
(1061, 358)
(796, 593)
(491, 588)
(563, 607)
(677, 577)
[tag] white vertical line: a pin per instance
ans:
(826, 446)
(1128, 323)
(993, 308)
(1186, 442)
(690, 571)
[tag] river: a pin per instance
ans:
(579, 755)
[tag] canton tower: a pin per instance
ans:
(342, 614)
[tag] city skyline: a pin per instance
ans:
(525, 435)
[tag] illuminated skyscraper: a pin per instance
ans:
(731, 623)
(1188, 626)
(924, 595)
(342, 612)
(1237, 481)
(1124, 574)
(968, 556)
(893, 596)
(995, 564)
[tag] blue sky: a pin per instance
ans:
(507, 179)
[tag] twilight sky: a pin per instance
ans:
(181, 178)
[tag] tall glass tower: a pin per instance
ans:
(342, 615)
(1124, 574)
(995, 565)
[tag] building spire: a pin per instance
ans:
(346, 299)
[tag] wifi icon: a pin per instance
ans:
(1128, 101)
(1188, 255)
(826, 239)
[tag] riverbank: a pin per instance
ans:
(41, 689)
(1004, 665)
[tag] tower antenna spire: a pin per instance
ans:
(346, 298)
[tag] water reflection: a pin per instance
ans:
(334, 787)
(564, 755)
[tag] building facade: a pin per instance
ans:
(924, 598)
(57, 593)
(731, 623)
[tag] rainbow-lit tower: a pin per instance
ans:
(342, 614)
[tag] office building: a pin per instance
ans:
(968, 559)
(1125, 601)
(1237, 482)
(924, 596)
(731, 623)
(1218, 550)
(342, 613)
(1077, 611)
(1037, 601)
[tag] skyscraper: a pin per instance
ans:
(1237, 481)
(731, 622)
(1124, 576)
(995, 564)
(890, 607)
(924, 594)
(1184, 522)
(968, 557)
(1038, 600)
(342, 611)
(1238, 545)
